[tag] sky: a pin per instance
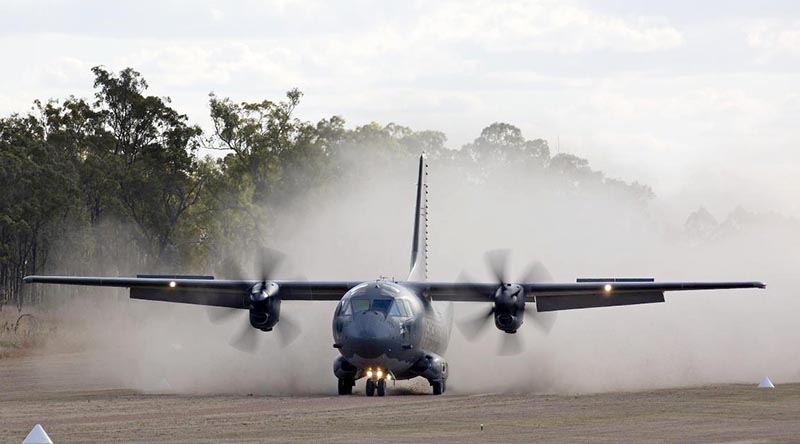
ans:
(700, 100)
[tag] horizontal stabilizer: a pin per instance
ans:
(595, 280)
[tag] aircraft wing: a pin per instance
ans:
(586, 293)
(204, 290)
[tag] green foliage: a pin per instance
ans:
(121, 177)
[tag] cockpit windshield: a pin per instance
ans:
(387, 306)
(381, 305)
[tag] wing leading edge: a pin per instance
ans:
(204, 290)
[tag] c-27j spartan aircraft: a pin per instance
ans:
(386, 329)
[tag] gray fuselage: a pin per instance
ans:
(383, 324)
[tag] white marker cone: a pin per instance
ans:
(37, 436)
(766, 384)
(164, 386)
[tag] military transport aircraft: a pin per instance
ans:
(386, 329)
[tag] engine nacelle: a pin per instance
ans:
(509, 305)
(265, 306)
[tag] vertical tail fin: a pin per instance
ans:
(419, 244)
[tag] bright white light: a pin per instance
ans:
(380, 374)
(369, 373)
(607, 288)
(172, 284)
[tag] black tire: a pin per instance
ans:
(370, 387)
(345, 386)
(381, 387)
(438, 387)
(350, 384)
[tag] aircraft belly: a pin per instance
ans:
(398, 365)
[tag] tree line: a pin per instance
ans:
(93, 181)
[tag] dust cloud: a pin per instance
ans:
(360, 229)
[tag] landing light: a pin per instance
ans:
(380, 374)
(607, 288)
(369, 373)
(172, 284)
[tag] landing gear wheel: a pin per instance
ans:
(370, 387)
(381, 387)
(345, 386)
(341, 387)
(438, 387)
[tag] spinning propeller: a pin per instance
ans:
(264, 300)
(508, 304)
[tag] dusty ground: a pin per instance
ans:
(49, 389)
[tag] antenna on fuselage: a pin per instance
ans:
(419, 243)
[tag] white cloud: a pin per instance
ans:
(543, 26)
(643, 97)
(775, 37)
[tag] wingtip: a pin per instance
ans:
(27, 279)
(761, 285)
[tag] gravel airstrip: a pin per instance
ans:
(73, 410)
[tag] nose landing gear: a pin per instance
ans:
(376, 382)
(378, 385)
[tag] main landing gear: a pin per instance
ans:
(346, 386)
(439, 387)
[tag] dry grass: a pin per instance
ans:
(21, 333)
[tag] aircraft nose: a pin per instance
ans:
(369, 334)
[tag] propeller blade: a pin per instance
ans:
(247, 340)
(231, 268)
(287, 330)
(471, 328)
(543, 321)
(218, 315)
(511, 344)
(536, 272)
(267, 261)
(497, 260)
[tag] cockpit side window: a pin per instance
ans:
(407, 307)
(345, 309)
(395, 310)
(400, 306)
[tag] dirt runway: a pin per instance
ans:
(76, 410)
